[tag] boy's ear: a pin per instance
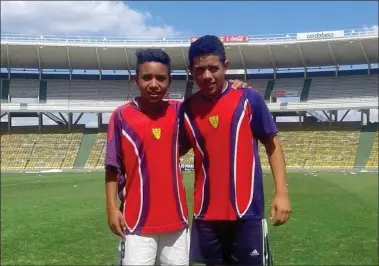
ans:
(226, 64)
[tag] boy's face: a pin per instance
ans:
(209, 74)
(153, 81)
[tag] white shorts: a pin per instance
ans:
(165, 249)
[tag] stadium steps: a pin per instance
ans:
(269, 89)
(366, 142)
(317, 116)
(372, 162)
(42, 91)
(306, 88)
(88, 140)
(4, 90)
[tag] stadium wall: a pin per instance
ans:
(183, 77)
(366, 141)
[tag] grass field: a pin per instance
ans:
(60, 218)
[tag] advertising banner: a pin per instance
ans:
(228, 38)
(320, 35)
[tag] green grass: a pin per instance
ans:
(60, 219)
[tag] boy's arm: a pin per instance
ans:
(265, 130)
(113, 166)
(281, 205)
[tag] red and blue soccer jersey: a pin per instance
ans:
(144, 148)
(224, 135)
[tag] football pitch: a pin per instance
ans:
(59, 218)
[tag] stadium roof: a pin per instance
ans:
(328, 48)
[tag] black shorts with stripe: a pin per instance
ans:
(241, 242)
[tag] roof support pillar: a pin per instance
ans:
(334, 58)
(127, 63)
(273, 63)
(98, 62)
(366, 57)
(8, 62)
(243, 62)
(302, 60)
(39, 63)
(185, 63)
(69, 61)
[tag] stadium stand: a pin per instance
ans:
(96, 92)
(97, 153)
(24, 89)
(87, 91)
(258, 84)
(317, 143)
(316, 146)
(313, 146)
(357, 88)
(290, 87)
(49, 150)
(373, 159)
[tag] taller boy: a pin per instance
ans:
(223, 127)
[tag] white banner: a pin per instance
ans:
(320, 35)
(292, 93)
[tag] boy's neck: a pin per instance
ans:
(148, 106)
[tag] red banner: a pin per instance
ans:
(280, 93)
(228, 39)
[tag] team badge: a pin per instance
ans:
(156, 133)
(214, 121)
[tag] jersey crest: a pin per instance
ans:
(157, 132)
(214, 121)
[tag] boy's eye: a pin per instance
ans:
(160, 78)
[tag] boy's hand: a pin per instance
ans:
(116, 222)
(280, 209)
(237, 84)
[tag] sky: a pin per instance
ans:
(183, 19)
(186, 18)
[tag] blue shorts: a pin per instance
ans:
(241, 242)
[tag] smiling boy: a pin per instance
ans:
(142, 167)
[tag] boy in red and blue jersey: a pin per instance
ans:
(142, 167)
(223, 126)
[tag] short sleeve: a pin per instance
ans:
(113, 155)
(262, 123)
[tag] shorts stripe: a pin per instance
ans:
(267, 258)
(122, 251)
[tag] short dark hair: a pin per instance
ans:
(206, 45)
(153, 55)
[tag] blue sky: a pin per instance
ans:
(186, 18)
(270, 17)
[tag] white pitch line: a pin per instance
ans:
(37, 182)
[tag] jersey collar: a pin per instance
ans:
(146, 110)
(226, 89)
